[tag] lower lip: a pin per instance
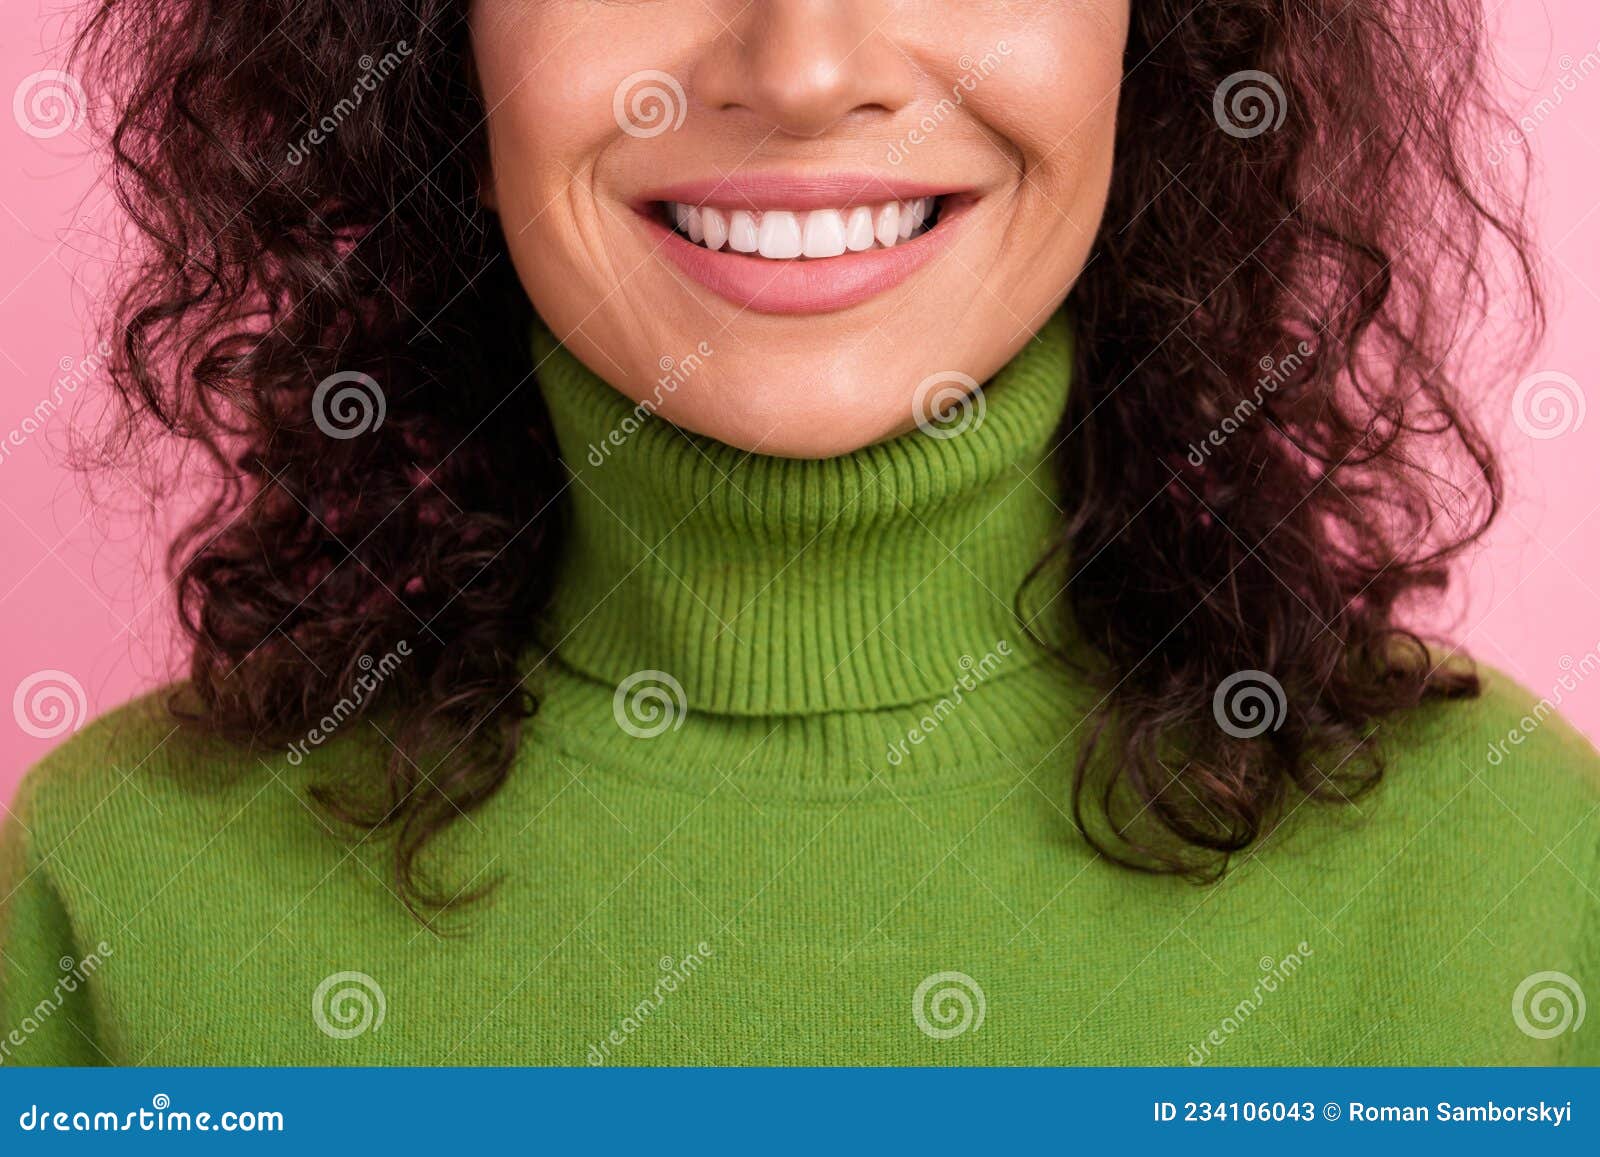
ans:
(817, 285)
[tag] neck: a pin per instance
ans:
(782, 586)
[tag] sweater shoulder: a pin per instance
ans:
(1511, 734)
(142, 766)
(1505, 760)
(142, 737)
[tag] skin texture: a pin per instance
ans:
(806, 89)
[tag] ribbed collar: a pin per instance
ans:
(777, 586)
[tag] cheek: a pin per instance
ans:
(548, 74)
(1054, 99)
(543, 120)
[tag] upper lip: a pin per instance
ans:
(765, 190)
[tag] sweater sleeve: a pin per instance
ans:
(46, 1016)
(1586, 1043)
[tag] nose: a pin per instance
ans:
(803, 66)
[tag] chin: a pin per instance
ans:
(787, 419)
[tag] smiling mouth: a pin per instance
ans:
(788, 235)
(786, 243)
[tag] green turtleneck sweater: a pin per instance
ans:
(796, 793)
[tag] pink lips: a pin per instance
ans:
(820, 285)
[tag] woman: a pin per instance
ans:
(936, 586)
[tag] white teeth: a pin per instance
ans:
(782, 234)
(887, 224)
(858, 230)
(716, 227)
(824, 234)
(743, 236)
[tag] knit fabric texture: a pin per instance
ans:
(798, 792)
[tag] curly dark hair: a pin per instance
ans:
(1349, 240)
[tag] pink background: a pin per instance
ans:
(82, 590)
